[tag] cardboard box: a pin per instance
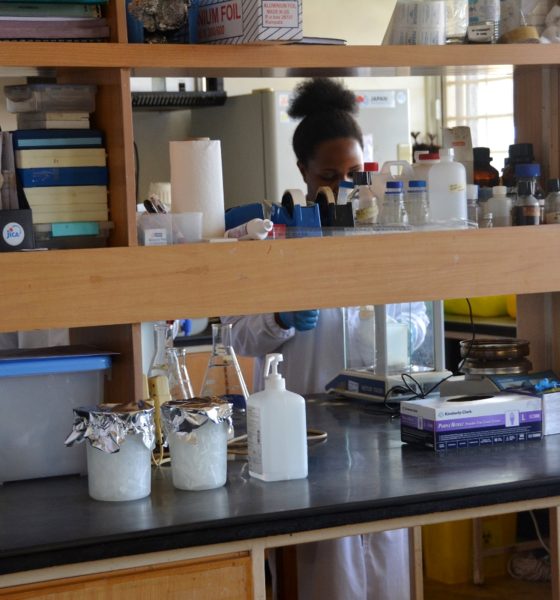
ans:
(245, 21)
(470, 421)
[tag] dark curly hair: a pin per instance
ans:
(326, 108)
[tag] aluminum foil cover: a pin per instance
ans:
(107, 425)
(186, 416)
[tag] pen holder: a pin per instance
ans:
(154, 229)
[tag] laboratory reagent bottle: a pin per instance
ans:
(447, 189)
(416, 203)
(552, 202)
(526, 209)
(276, 429)
(472, 203)
(499, 204)
(392, 210)
(531, 173)
(223, 377)
(485, 175)
(364, 203)
(518, 154)
(456, 21)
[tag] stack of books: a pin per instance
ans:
(63, 173)
(43, 20)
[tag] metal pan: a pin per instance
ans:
(494, 349)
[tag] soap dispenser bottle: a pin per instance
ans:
(276, 429)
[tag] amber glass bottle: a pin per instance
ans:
(485, 175)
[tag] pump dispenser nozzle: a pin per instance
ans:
(273, 380)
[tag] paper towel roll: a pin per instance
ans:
(197, 184)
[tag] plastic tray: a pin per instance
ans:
(50, 97)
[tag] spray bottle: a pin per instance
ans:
(276, 429)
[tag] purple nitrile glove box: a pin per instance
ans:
(453, 422)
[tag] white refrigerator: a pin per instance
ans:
(256, 138)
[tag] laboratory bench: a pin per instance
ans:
(361, 479)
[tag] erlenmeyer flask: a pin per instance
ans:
(223, 376)
(163, 339)
(180, 386)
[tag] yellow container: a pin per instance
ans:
(483, 306)
(448, 548)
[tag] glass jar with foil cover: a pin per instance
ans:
(120, 439)
(197, 433)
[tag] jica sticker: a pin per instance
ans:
(13, 234)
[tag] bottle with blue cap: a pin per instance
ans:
(416, 202)
(276, 429)
(392, 209)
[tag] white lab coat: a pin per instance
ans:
(365, 567)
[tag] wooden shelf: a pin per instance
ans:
(275, 60)
(127, 285)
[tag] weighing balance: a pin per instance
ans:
(379, 353)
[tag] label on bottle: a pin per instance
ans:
(457, 187)
(254, 440)
(526, 215)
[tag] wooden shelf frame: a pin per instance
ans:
(274, 59)
(128, 285)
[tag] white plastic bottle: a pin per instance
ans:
(447, 188)
(499, 204)
(276, 429)
(255, 229)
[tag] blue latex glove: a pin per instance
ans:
(301, 320)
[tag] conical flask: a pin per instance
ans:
(223, 376)
(180, 387)
(163, 339)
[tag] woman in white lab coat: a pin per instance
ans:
(328, 147)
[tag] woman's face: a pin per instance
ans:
(334, 161)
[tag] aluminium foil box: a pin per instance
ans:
(246, 21)
(471, 421)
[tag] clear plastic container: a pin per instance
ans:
(42, 97)
(39, 388)
(500, 206)
(447, 189)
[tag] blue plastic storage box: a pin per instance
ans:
(37, 398)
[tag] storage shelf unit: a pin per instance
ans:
(123, 285)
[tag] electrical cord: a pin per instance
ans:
(416, 390)
(238, 445)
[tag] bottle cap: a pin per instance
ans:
(499, 190)
(553, 185)
(272, 378)
(527, 170)
(524, 188)
(371, 166)
(472, 191)
(428, 156)
(481, 155)
(418, 183)
(394, 185)
(361, 178)
(521, 153)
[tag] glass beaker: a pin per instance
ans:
(223, 376)
(180, 387)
